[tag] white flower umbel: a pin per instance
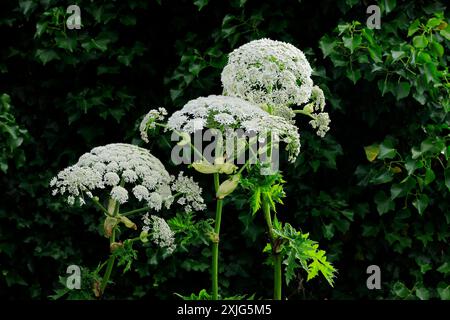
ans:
(120, 168)
(320, 122)
(191, 193)
(159, 232)
(314, 109)
(213, 112)
(268, 73)
(149, 121)
(225, 112)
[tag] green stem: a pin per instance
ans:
(112, 258)
(129, 213)
(109, 267)
(100, 206)
(304, 113)
(181, 135)
(277, 277)
(275, 255)
(215, 245)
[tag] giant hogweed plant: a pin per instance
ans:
(262, 80)
(125, 181)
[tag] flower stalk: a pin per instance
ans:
(215, 242)
(276, 257)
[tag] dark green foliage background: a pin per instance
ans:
(71, 90)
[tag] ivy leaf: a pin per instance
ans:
(375, 53)
(413, 27)
(66, 43)
(437, 48)
(421, 203)
(386, 151)
(384, 203)
(444, 268)
(420, 42)
(431, 72)
(327, 45)
(403, 90)
(443, 291)
(429, 176)
(389, 5)
(200, 4)
(353, 75)
(433, 22)
(27, 6)
(46, 55)
(401, 290)
(402, 188)
(445, 32)
(352, 42)
(447, 178)
(423, 293)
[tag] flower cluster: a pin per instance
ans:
(279, 127)
(190, 193)
(268, 73)
(149, 121)
(275, 75)
(159, 232)
(225, 112)
(122, 168)
(213, 112)
(320, 122)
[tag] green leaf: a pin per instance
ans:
(46, 55)
(444, 268)
(431, 72)
(27, 6)
(420, 42)
(433, 22)
(327, 45)
(383, 202)
(375, 53)
(413, 27)
(423, 293)
(255, 200)
(353, 75)
(401, 290)
(423, 57)
(447, 178)
(66, 43)
(372, 152)
(403, 90)
(445, 32)
(421, 203)
(201, 3)
(437, 48)
(396, 55)
(386, 150)
(291, 266)
(383, 176)
(353, 42)
(389, 5)
(411, 165)
(402, 188)
(429, 176)
(443, 291)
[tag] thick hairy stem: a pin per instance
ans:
(215, 245)
(109, 267)
(113, 209)
(277, 283)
